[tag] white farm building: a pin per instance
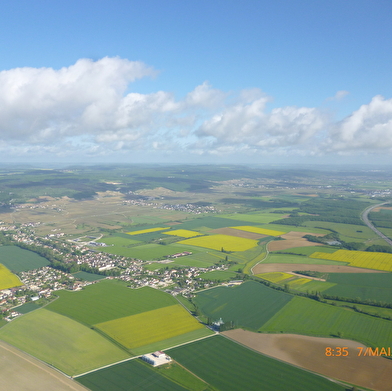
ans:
(157, 358)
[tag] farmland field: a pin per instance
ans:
(18, 260)
(369, 260)
(8, 279)
(250, 304)
(108, 300)
(61, 342)
(150, 327)
(88, 276)
(257, 218)
(375, 286)
(217, 242)
(132, 375)
(227, 365)
(210, 222)
(218, 275)
(309, 317)
(275, 277)
(20, 371)
(118, 241)
(289, 258)
(257, 230)
(147, 251)
(184, 233)
(148, 230)
(303, 351)
(308, 250)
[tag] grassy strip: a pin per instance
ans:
(309, 317)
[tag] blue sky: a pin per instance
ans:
(279, 81)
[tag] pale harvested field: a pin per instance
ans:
(309, 353)
(78, 218)
(290, 267)
(238, 233)
(292, 239)
(19, 371)
(382, 207)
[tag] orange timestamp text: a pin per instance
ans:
(342, 351)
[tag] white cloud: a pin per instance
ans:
(84, 110)
(339, 95)
(367, 129)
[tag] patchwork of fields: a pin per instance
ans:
(369, 260)
(227, 365)
(218, 242)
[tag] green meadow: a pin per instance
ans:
(17, 259)
(250, 304)
(61, 342)
(132, 375)
(108, 300)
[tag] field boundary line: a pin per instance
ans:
(140, 355)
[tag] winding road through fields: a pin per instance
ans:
(365, 219)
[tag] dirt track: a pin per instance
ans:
(290, 267)
(309, 353)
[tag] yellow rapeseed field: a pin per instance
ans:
(144, 231)
(261, 231)
(183, 233)
(8, 279)
(298, 282)
(151, 326)
(275, 277)
(365, 259)
(219, 242)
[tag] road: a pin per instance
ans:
(365, 219)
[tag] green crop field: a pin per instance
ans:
(227, 365)
(27, 307)
(313, 286)
(250, 304)
(183, 233)
(307, 250)
(132, 375)
(146, 251)
(147, 230)
(88, 276)
(257, 218)
(309, 317)
(151, 326)
(8, 279)
(348, 232)
(258, 230)
(119, 241)
(217, 242)
(289, 258)
(61, 342)
(210, 222)
(373, 286)
(218, 275)
(108, 300)
(18, 260)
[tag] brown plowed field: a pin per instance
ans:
(290, 267)
(309, 353)
(292, 239)
(19, 371)
(238, 233)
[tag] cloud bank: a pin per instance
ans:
(85, 110)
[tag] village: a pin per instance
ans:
(40, 285)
